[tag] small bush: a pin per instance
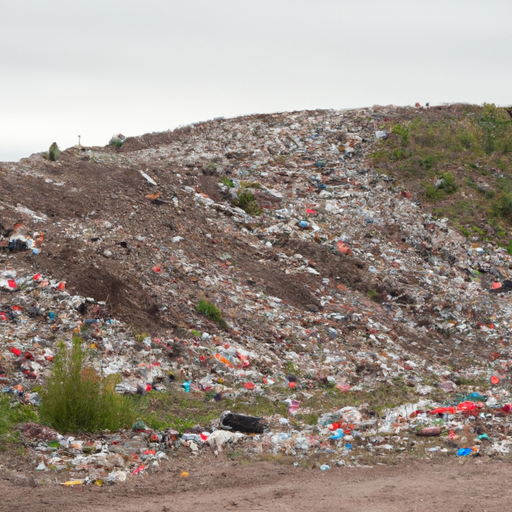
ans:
(447, 183)
(54, 152)
(211, 311)
(248, 203)
(433, 193)
(403, 132)
(77, 399)
(503, 208)
(373, 294)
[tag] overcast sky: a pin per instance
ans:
(100, 67)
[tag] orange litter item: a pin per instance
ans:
(343, 248)
(223, 360)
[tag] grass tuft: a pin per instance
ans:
(211, 311)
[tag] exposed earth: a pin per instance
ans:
(413, 487)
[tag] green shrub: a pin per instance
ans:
(248, 203)
(211, 311)
(403, 132)
(373, 294)
(12, 414)
(53, 152)
(428, 162)
(77, 399)
(433, 193)
(503, 208)
(448, 184)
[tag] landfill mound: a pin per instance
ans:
(379, 328)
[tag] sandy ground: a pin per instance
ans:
(455, 485)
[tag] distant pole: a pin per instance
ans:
(79, 142)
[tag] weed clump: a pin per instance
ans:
(503, 207)
(373, 295)
(77, 399)
(211, 311)
(248, 203)
(54, 152)
(10, 416)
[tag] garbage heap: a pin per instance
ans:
(330, 281)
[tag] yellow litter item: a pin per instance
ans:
(71, 483)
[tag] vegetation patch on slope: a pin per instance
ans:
(457, 161)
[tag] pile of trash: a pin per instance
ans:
(330, 280)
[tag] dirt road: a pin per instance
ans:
(460, 486)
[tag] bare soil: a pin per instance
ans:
(459, 486)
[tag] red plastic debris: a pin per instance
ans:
(61, 286)
(16, 351)
(138, 470)
(467, 407)
(443, 410)
(248, 385)
(452, 435)
(495, 380)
